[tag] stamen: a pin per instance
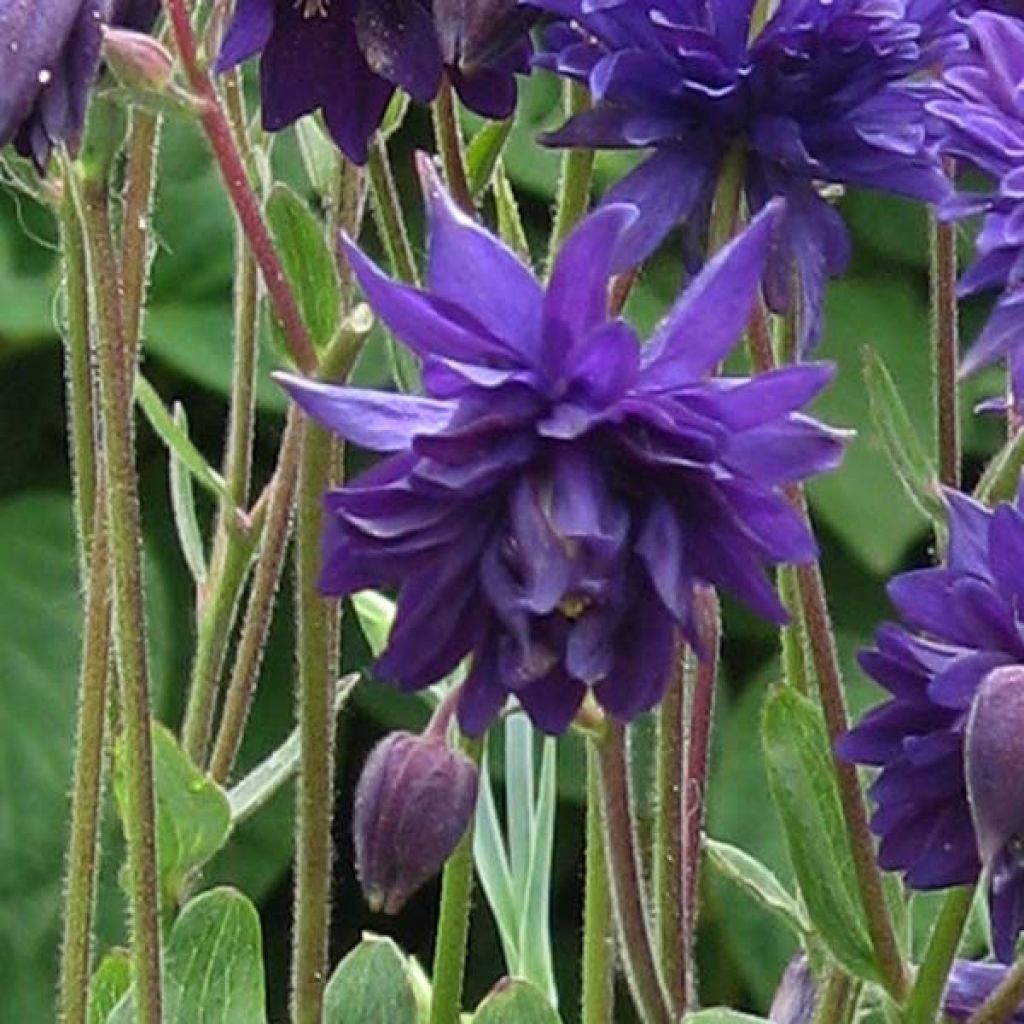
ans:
(312, 8)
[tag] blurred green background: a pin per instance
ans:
(867, 528)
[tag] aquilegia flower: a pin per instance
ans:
(940, 816)
(347, 57)
(970, 984)
(982, 110)
(550, 507)
(827, 92)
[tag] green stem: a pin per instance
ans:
(792, 636)
(577, 175)
(87, 793)
(598, 1000)
(387, 214)
(947, 932)
(123, 522)
(453, 923)
(1005, 1000)
(259, 614)
(629, 898)
(836, 993)
(945, 349)
(449, 144)
(669, 834)
(725, 209)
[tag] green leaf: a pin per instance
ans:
(802, 782)
(175, 436)
(308, 263)
(192, 811)
(758, 880)
(376, 614)
(213, 965)
(183, 505)
(372, 983)
(514, 1001)
(319, 154)
(510, 222)
(111, 981)
(484, 152)
(722, 1015)
(902, 444)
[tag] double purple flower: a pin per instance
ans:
(950, 742)
(829, 91)
(549, 507)
(347, 57)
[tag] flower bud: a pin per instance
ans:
(138, 59)
(413, 803)
(994, 752)
(796, 998)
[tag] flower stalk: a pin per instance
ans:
(449, 143)
(945, 348)
(577, 175)
(598, 982)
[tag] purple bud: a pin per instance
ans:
(994, 754)
(797, 995)
(970, 984)
(413, 803)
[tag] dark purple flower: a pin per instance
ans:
(49, 57)
(137, 15)
(552, 504)
(970, 984)
(825, 93)
(347, 57)
(413, 803)
(960, 622)
(982, 111)
(796, 998)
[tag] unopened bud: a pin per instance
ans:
(796, 998)
(413, 804)
(138, 60)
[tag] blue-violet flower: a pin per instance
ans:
(940, 817)
(970, 984)
(347, 57)
(551, 504)
(827, 91)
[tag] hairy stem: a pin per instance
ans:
(116, 401)
(453, 923)
(945, 348)
(598, 985)
(83, 851)
(930, 984)
(449, 143)
(629, 898)
(576, 178)
(240, 191)
(387, 213)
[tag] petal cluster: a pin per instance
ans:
(347, 57)
(827, 92)
(981, 109)
(551, 503)
(942, 814)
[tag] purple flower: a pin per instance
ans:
(982, 112)
(549, 508)
(137, 15)
(49, 57)
(960, 622)
(796, 998)
(347, 57)
(970, 984)
(825, 93)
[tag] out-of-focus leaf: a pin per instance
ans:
(183, 505)
(376, 615)
(213, 965)
(907, 454)
(722, 1015)
(510, 222)
(803, 786)
(193, 817)
(514, 1001)
(484, 152)
(307, 261)
(319, 154)
(111, 981)
(372, 983)
(738, 866)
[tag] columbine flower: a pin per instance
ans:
(970, 984)
(347, 57)
(982, 110)
(550, 507)
(960, 622)
(49, 57)
(413, 803)
(825, 93)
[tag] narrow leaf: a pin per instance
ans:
(514, 1001)
(183, 507)
(319, 154)
(372, 983)
(800, 775)
(483, 153)
(177, 440)
(510, 222)
(307, 261)
(519, 798)
(907, 454)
